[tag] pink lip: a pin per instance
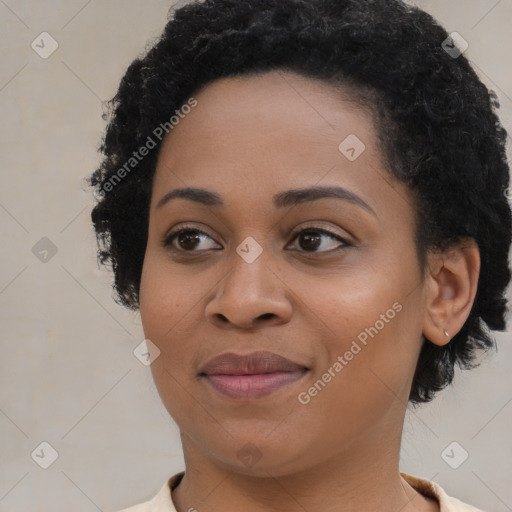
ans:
(250, 376)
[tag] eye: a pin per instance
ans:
(310, 240)
(187, 240)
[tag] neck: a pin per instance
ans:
(363, 478)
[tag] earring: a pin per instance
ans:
(446, 333)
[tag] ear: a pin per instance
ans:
(452, 281)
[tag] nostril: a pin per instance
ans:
(266, 315)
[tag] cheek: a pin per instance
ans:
(167, 296)
(364, 377)
(165, 301)
(366, 329)
(172, 302)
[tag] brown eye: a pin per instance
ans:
(310, 240)
(187, 240)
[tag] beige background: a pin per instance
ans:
(67, 372)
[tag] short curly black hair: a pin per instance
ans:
(436, 120)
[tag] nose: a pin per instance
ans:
(250, 295)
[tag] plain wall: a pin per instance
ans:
(67, 372)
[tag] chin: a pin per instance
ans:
(261, 456)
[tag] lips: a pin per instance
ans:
(250, 364)
(250, 376)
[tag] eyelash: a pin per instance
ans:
(167, 242)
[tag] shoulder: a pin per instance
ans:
(162, 502)
(435, 491)
(147, 506)
(142, 507)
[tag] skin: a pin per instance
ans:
(248, 139)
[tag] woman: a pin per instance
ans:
(306, 200)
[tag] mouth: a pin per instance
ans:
(251, 376)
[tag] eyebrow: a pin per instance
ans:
(284, 199)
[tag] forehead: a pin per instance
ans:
(277, 123)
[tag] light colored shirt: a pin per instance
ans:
(162, 502)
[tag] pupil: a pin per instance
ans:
(187, 237)
(308, 237)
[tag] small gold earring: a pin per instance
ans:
(446, 333)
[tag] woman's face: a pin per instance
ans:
(302, 245)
